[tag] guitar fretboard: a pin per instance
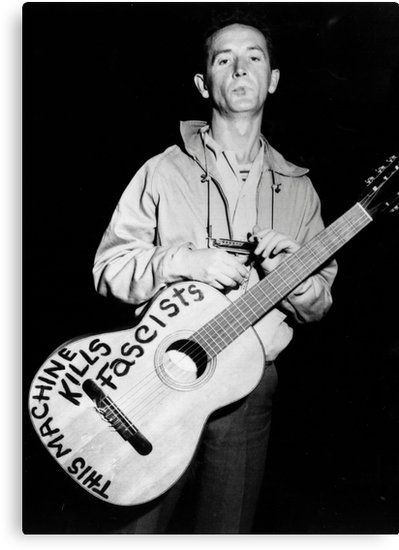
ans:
(230, 323)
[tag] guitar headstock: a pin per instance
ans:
(378, 196)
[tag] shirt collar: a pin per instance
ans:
(191, 131)
(217, 150)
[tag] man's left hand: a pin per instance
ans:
(272, 246)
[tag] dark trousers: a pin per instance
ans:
(226, 474)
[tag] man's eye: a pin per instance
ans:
(255, 58)
(223, 61)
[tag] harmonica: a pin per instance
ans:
(233, 246)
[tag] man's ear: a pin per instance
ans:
(275, 77)
(199, 82)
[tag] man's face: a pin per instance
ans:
(238, 76)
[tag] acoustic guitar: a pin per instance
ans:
(122, 412)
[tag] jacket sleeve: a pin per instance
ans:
(311, 300)
(128, 264)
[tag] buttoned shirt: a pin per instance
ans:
(239, 183)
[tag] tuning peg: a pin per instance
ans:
(393, 205)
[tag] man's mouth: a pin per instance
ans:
(240, 90)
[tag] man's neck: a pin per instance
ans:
(238, 134)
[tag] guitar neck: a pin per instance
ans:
(218, 333)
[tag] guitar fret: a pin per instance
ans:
(220, 336)
(274, 288)
(252, 311)
(348, 219)
(210, 333)
(222, 330)
(289, 277)
(227, 317)
(263, 296)
(231, 325)
(301, 261)
(266, 298)
(237, 318)
(314, 256)
(292, 271)
(211, 350)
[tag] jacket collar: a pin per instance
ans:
(191, 134)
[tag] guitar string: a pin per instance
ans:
(364, 201)
(248, 304)
(311, 251)
(119, 422)
(295, 276)
(186, 349)
(142, 411)
(249, 310)
(141, 408)
(188, 376)
(327, 253)
(232, 325)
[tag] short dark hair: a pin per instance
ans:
(249, 17)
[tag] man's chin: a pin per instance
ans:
(244, 105)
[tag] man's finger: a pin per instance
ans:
(238, 275)
(267, 244)
(286, 245)
(227, 281)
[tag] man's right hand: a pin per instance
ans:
(217, 268)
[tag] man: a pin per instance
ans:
(223, 181)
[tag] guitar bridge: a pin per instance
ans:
(106, 407)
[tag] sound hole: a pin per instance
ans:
(185, 361)
(183, 364)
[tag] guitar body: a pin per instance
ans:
(122, 412)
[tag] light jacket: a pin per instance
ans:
(163, 213)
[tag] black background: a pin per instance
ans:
(104, 88)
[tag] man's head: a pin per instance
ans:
(248, 17)
(238, 71)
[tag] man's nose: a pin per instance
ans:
(239, 68)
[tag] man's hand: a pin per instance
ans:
(217, 268)
(272, 246)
